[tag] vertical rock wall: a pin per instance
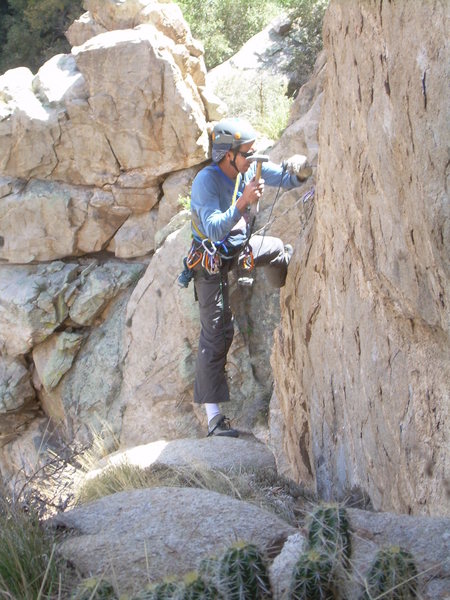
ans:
(361, 360)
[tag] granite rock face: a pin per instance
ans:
(361, 360)
(153, 533)
(15, 384)
(67, 122)
(86, 145)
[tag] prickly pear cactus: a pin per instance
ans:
(94, 588)
(329, 532)
(242, 574)
(393, 575)
(311, 578)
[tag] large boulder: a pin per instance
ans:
(46, 220)
(15, 384)
(85, 399)
(67, 123)
(205, 454)
(37, 299)
(164, 114)
(148, 534)
(361, 360)
(34, 302)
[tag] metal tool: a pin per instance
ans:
(259, 159)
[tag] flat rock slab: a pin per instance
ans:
(220, 453)
(138, 536)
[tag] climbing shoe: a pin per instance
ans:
(220, 425)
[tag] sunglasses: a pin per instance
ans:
(246, 154)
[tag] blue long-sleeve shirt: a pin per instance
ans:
(211, 200)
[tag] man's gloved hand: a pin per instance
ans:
(298, 165)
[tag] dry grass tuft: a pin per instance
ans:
(263, 488)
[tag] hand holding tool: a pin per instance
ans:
(259, 159)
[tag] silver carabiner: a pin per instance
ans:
(213, 250)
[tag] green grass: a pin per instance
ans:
(29, 567)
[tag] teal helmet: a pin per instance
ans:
(229, 134)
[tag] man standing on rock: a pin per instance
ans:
(223, 194)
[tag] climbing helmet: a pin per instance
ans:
(229, 134)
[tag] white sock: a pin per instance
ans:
(212, 410)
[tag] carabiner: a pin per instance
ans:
(213, 248)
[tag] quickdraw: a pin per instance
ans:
(211, 260)
(194, 256)
(207, 254)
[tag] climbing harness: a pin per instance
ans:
(212, 254)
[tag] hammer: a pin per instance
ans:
(259, 158)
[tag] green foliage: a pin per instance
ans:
(393, 575)
(242, 573)
(311, 578)
(225, 25)
(33, 31)
(306, 35)
(267, 107)
(29, 568)
(329, 532)
(185, 202)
